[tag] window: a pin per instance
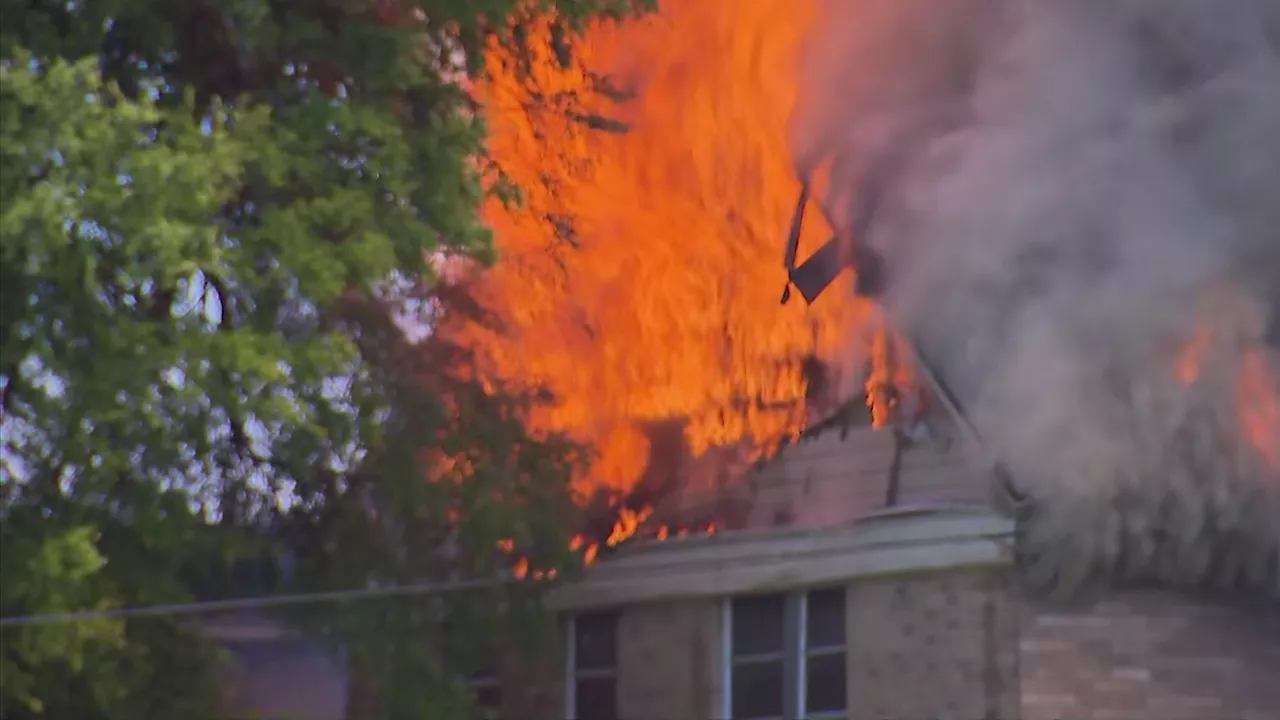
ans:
(823, 658)
(786, 656)
(593, 667)
(758, 677)
(486, 689)
(480, 670)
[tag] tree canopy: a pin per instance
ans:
(218, 231)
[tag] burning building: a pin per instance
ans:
(872, 574)
(876, 577)
(1069, 510)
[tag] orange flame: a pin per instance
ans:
(1258, 397)
(1190, 358)
(639, 279)
(626, 528)
(889, 376)
(627, 524)
(1257, 390)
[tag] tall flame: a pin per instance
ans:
(1258, 397)
(1257, 387)
(638, 281)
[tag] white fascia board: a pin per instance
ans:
(903, 541)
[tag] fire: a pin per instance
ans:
(1258, 397)
(628, 522)
(1190, 358)
(1257, 389)
(889, 376)
(626, 528)
(638, 281)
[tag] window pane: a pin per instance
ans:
(757, 689)
(596, 698)
(825, 618)
(595, 641)
(488, 697)
(824, 686)
(757, 624)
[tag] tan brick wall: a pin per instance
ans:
(669, 660)
(1151, 656)
(940, 645)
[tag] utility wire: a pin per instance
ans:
(268, 601)
(251, 603)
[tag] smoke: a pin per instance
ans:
(1089, 187)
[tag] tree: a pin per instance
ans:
(214, 218)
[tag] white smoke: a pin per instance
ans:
(1086, 181)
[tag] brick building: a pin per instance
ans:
(827, 604)
(869, 578)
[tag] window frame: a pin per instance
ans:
(795, 655)
(573, 673)
(477, 682)
(485, 671)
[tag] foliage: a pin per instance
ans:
(214, 217)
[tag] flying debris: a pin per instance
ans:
(875, 173)
(849, 249)
(842, 250)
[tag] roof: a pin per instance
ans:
(900, 540)
(1066, 542)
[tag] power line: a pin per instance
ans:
(253, 603)
(250, 603)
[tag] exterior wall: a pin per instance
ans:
(927, 607)
(937, 645)
(963, 644)
(945, 644)
(839, 477)
(933, 475)
(669, 660)
(823, 481)
(1151, 656)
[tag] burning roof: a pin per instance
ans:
(1085, 245)
(631, 280)
(1065, 233)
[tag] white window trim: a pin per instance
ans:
(795, 659)
(726, 656)
(570, 669)
(802, 655)
(571, 672)
(802, 662)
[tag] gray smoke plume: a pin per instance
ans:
(1088, 185)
